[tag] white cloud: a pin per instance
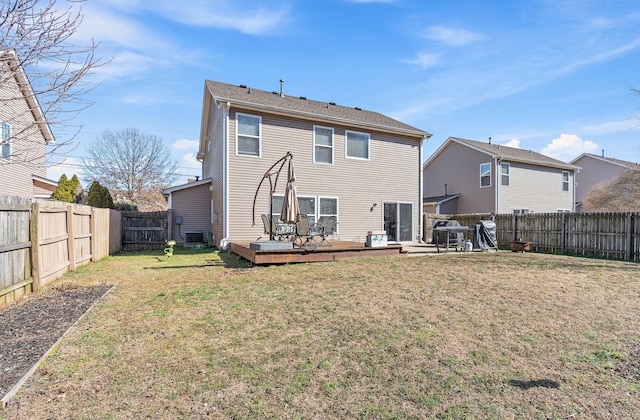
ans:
(424, 60)
(69, 167)
(568, 147)
(611, 127)
(452, 36)
(513, 143)
(189, 161)
(185, 144)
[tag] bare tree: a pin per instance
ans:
(132, 165)
(36, 41)
(621, 194)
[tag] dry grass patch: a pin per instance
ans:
(482, 335)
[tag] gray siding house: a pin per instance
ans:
(491, 178)
(190, 206)
(24, 134)
(361, 167)
(595, 169)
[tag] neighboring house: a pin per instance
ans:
(491, 178)
(190, 206)
(360, 167)
(25, 134)
(595, 169)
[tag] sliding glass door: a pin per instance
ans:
(398, 221)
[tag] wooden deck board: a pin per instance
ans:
(340, 250)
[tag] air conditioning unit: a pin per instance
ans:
(194, 237)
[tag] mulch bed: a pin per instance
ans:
(29, 329)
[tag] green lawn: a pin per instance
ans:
(462, 335)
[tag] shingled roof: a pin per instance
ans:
(512, 154)
(244, 97)
(619, 162)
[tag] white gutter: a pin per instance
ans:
(497, 205)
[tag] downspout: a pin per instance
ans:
(224, 242)
(497, 205)
(421, 192)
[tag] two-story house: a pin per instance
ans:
(24, 134)
(594, 170)
(360, 167)
(476, 177)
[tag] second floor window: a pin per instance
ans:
(565, 180)
(248, 140)
(485, 175)
(323, 145)
(504, 173)
(5, 140)
(357, 145)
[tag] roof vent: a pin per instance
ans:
(359, 109)
(281, 86)
(243, 86)
(332, 103)
(304, 98)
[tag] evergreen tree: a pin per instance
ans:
(99, 196)
(62, 191)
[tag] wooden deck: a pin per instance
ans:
(340, 250)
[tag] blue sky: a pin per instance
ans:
(552, 76)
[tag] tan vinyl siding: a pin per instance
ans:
(193, 205)
(15, 180)
(536, 188)
(459, 167)
(391, 174)
(28, 145)
(213, 167)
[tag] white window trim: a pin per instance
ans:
(489, 172)
(9, 142)
(508, 174)
(337, 215)
(567, 182)
(332, 147)
(316, 210)
(259, 135)
(346, 146)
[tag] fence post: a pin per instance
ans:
(515, 226)
(35, 246)
(564, 232)
(70, 241)
(630, 229)
(92, 229)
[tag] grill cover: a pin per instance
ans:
(484, 235)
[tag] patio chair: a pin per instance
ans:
(306, 233)
(326, 226)
(281, 231)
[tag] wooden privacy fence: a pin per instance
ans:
(608, 235)
(41, 240)
(145, 231)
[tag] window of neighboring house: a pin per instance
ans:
(485, 174)
(357, 145)
(521, 211)
(329, 208)
(5, 139)
(504, 173)
(248, 134)
(323, 145)
(565, 180)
